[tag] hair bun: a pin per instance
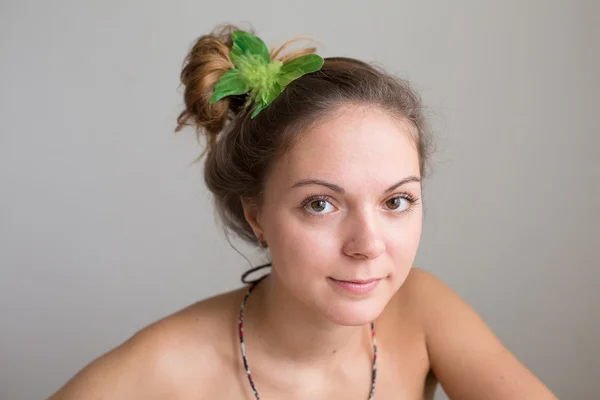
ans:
(206, 62)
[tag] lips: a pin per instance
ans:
(357, 286)
(359, 281)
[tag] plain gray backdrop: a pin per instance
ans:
(105, 226)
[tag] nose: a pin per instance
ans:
(364, 239)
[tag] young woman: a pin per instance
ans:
(320, 163)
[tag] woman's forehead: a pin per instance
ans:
(358, 141)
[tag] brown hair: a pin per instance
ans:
(242, 150)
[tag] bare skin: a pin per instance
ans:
(307, 337)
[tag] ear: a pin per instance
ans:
(251, 213)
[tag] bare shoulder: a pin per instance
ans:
(469, 361)
(169, 358)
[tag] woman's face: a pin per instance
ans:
(342, 214)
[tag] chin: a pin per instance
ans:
(355, 312)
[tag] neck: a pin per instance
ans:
(287, 328)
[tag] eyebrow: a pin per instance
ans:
(339, 189)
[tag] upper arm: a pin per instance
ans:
(109, 376)
(469, 361)
(145, 367)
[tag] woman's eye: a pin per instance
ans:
(397, 203)
(319, 207)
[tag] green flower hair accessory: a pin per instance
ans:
(256, 74)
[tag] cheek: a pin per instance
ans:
(403, 242)
(300, 245)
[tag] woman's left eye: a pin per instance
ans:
(398, 203)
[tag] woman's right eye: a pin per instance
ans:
(319, 206)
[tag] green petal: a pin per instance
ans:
(230, 84)
(265, 98)
(273, 93)
(299, 66)
(259, 108)
(245, 43)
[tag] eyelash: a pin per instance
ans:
(408, 197)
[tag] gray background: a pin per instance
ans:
(105, 226)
